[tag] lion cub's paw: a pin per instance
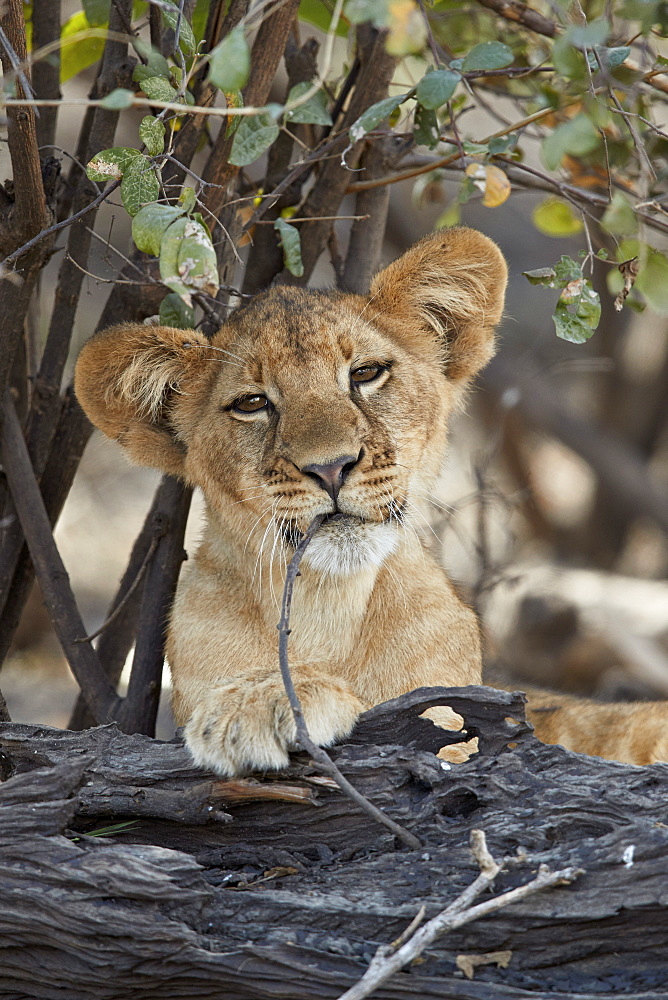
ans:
(248, 725)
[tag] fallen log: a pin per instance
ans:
(276, 886)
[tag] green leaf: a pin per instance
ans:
(175, 312)
(152, 134)
(435, 89)
(487, 55)
(110, 164)
(317, 13)
(578, 311)
(374, 115)
(78, 50)
(653, 281)
(291, 244)
(313, 111)
(188, 199)
(619, 217)
(568, 61)
(645, 11)
(96, 11)
(611, 58)
(556, 218)
(157, 88)
(254, 135)
(187, 41)
(199, 17)
(187, 259)
(139, 185)
(503, 144)
(229, 62)
(198, 217)
(564, 271)
(452, 216)
(155, 65)
(575, 138)
(118, 99)
(150, 225)
(567, 269)
(588, 35)
(426, 131)
(375, 11)
(475, 148)
(545, 276)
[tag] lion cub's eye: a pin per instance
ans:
(365, 373)
(251, 404)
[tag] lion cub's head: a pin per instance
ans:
(309, 402)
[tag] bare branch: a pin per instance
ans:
(53, 578)
(51, 230)
(46, 72)
(320, 756)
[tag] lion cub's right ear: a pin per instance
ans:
(126, 380)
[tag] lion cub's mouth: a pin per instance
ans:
(340, 518)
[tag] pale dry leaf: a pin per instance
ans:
(469, 963)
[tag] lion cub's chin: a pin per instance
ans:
(345, 544)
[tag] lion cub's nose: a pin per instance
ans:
(332, 476)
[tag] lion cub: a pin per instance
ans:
(304, 403)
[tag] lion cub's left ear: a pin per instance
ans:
(448, 288)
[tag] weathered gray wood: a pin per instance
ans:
(289, 897)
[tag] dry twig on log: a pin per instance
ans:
(391, 957)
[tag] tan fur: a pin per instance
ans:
(373, 615)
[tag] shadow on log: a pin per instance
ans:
(276, 887)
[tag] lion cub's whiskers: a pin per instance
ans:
(256, 522)
(258, 561)
(357, 320)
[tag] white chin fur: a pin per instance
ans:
(346, 547)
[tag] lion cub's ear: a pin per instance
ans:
(449, 286)
(126, 379)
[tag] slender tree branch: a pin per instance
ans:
(138, 711)
(267, 52)
(51, 230)
(46, 72)
(120, 607)
(521, 13)
(320, 756)
(26, 212)
(371, 207)
(52, 575)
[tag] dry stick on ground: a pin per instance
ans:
(390, 958)
(321, 758)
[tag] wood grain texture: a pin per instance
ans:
(215, 894)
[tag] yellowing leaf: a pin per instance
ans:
(492, 181)
(80, 46)
(497, 187)
(408, 32)
(556, 218)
